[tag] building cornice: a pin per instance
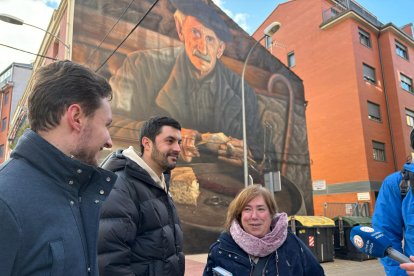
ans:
(397, 31)
(350, 14)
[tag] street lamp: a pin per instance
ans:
(17, 21)
(268, 32)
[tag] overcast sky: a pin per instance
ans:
(35, 12)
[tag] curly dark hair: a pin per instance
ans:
(152, 127)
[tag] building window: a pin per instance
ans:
(369, 73)
(1, 151)
(268, 42)
(401, 50)
(6, 75)
(364, 38)
(406, 83)
(374, 111)
(6, 98)
(291, 59)
(409, 115)
(3, 124)
(378, 151)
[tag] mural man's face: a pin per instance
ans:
(202, 46)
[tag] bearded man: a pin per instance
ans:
(139, 231)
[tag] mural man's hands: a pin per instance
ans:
(231, 151)
(190, 138)
(227, 148)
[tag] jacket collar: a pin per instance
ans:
(117, 161)
(67, 172)
(131, 154)
(227, 242)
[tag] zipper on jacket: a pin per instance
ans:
(171, 215)
(88, 267)
(277, 264)
(82, 237)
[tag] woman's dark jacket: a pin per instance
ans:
(139, 231)
(292, 258)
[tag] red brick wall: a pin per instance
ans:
(5, 113)
(329, 61)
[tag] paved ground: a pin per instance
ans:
(351, 268)
(195, 266)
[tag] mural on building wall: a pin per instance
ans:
(183, 58)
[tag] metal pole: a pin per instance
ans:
(17, 21)
(245, 162)
(55, 36)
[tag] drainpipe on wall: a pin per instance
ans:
(386, 103)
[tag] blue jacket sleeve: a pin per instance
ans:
(10, 233)
(388, 219)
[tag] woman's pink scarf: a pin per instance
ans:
(261, 247)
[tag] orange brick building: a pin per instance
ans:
(358, 78)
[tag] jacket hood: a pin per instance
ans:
(115, 161)
(226, 241)
(409, 166)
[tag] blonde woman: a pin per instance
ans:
(257, 240)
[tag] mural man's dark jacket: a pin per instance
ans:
(139, 232)
(49, 210)
(285, 261)
(162, 81)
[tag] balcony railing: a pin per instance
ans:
(343, 6)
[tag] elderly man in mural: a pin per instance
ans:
(190, 84)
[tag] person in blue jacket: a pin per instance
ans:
(394, 216)
(257, 240)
